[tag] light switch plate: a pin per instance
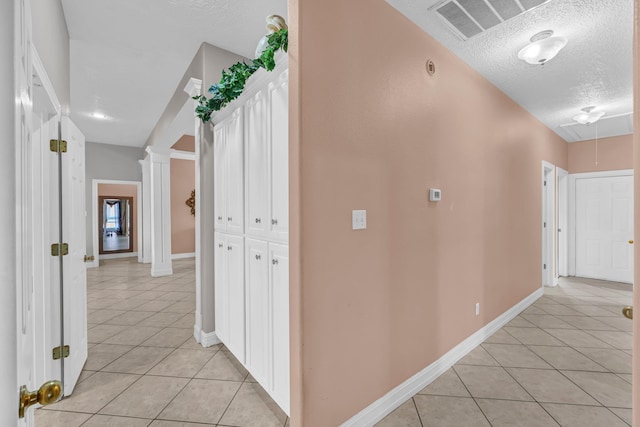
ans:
(359, 220)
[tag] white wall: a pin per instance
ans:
(8, 327)
(51, 38)
(105, 161)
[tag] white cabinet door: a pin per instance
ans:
(221, 288)
(235, 280)
(258, 311)
(257, 165)
(604, 226)
(279, 106)
(235, 172)
(219, 176)
(279, 278)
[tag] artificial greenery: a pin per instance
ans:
(232, 82)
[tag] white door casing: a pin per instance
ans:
(548, 224)
(604, 226)
(562, 218)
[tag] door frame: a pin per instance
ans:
(548, 216)
(562, 222)
(94, 220)
(101, 200)
(572, 208)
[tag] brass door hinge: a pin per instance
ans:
(65, 352)
(58, 146)
(57, 250)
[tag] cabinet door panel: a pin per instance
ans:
(235, 269)
(279, 278)
(279, 99)
(258, 312)
(257, 162)
(219, 176)
(221, 288)
(235, 172)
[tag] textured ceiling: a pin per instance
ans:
(127, 56)
(595, 68)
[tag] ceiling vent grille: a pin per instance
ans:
(608, 125)
(468, 18)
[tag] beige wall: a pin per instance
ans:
(636, 257)
(185, 143)
(613, 153)
(123, 190)
(183, 224)
(371, 130)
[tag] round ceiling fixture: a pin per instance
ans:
(588, 116)
(543, 48)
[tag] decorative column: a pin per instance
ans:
(144, 250)
(204, 328)
(160, 203)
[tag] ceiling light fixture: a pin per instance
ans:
(588, 116)
(98, 116)
(543, 48)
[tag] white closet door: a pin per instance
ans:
(221, 288)
(258, 311)
(235, 172)
(236, 304)
(257, 165)
(219, 176)
(279, 277)
(279, 100)
(604, 226)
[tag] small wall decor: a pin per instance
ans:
(431, 67)
(191, 202)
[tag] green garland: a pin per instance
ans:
(232, 82)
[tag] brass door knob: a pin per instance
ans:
(47, 394)
(628, 312)
(631, 242)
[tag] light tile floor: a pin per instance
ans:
(144, 367)
(565, 361)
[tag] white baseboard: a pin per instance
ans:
(206, 339)
(396, 397)
(93, 264)
(119, 255)
(161, 273)
(184, 255)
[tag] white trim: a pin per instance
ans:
(400, 394)
(119, 255)
(182, 155)
(206, 339)
(573, 177)
(183, 255)
(94, 222)
(547, 233)
(39, 69)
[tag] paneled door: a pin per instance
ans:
(604, 228)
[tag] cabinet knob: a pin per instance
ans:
(219, 218)
(258, 220)
(258, 257)
(274, 222)
(229, 248)
(219, 245)
(229, 219)
(274, 261)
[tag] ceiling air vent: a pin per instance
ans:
(468, 18)
(621, 124)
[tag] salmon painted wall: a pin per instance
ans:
(183, 224)
(636, 173)
(371, 130)
(613, 153)
(185, 143)
(124, 190)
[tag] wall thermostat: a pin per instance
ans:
(435, 195)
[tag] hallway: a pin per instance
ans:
(566, 361)
(144, 366)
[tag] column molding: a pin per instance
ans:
(144, 251)
(160, 204)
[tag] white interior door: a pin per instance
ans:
(604, 226)
(74, 286)
(562, 234)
